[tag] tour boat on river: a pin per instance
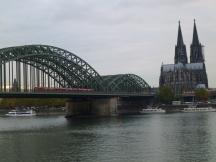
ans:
(198, 109)
(21, 113)
(152, 110)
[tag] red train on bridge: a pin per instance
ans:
(62, 90)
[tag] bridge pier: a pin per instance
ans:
(77, 107)
(132, 105)
(105, 106)
(91, 107)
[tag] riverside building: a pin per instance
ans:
(184, 76)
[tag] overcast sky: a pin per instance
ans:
(113, 36)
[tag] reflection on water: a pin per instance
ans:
(157, 137)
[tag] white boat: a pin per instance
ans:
(152, 110)
(198, 109)
(21, 113)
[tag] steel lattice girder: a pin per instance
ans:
(125, 83)
(69, 70)
(52, 60)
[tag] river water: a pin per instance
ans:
(179, 137)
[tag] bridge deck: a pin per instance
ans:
(69, 95)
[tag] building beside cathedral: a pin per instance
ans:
(185, 76)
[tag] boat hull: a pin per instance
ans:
(206, 109)
(15, 113)
(152, 111)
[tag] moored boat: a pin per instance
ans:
(152, 110)
(21, 113)
(198, 109)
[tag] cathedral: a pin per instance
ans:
(185, 76)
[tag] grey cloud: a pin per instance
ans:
(115, 36)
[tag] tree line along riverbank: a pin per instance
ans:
(13, 102)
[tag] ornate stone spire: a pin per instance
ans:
(195, 40)
(180, 41)
(196, 54)
(180, 49)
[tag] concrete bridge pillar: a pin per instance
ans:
(105, 106)
(77, 107)
(132, 105)
(91, 107)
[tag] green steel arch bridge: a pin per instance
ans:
(25, 68)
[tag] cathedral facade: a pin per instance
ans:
(185, 76)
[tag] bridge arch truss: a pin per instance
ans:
(125, 83)
(45, 66)
(22, 68)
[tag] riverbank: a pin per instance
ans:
(8, 103)
(47, 106)
(178, 108)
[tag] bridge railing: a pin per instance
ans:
(8, 91)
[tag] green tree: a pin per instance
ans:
(165, 94)
(201, 94)
(11, 102)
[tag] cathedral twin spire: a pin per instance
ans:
(196, 48)
(196, 54)
(180, 49)
(180, 41)
(195, 40)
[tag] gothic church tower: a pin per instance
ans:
(196, 55)
(183, 76)
(180, 49)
